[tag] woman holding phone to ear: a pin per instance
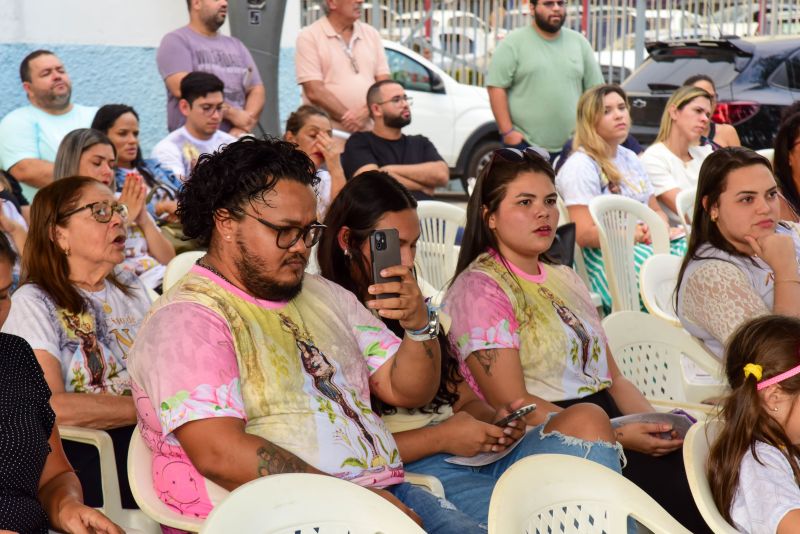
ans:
(456, 422)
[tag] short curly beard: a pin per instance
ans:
(256, 284)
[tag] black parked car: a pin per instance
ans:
(756, 78)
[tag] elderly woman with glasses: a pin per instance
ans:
(88, 152)
(80, 312)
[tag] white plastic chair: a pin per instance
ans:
(580, 265)
(305, 503)
(649, 352)
(768, 153)
(140, 476)
(436, 249)
(179, 266)
(695, 454)
(109, 480)
(657, 279)
(684, 203)
(616, 218)
(576, 496)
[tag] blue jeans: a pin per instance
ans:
(470, 488)
(439, 516)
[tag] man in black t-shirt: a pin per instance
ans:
(411, 159)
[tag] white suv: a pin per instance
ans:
(454, 116)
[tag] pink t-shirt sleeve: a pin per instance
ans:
(481, 314)
(382, 65)
(184, 360)
(307, 61)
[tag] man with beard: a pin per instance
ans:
(248, 367)
(200, 47)
(30, 135)
(411, 159)
(337, 58)
(535, 79)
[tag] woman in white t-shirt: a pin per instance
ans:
(673, 161)
(310, 128)
(80, 314)
(600, 165)
(87, 152)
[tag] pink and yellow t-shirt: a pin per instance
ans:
(549, 318)
(297, 372)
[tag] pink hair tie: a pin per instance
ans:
(780, 378)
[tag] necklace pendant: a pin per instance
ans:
(106, 308)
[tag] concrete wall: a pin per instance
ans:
(108, 47)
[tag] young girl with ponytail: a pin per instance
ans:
(753, 465)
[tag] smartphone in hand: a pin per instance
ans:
(516, 414)
(384, 246)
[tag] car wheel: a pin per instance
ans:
(480, 157)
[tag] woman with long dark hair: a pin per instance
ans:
(456, 422)
(742, 260)
(121, 124)
(524, 327)
(786, 163)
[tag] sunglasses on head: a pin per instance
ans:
(515, 155)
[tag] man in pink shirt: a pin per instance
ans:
(337, 59)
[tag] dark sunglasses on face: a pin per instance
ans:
(102, 211)
(287, 236)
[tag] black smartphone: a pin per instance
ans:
(516, 414)
(384, 246)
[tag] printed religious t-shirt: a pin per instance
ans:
(549, 318)
(297, 372)
(92, 347)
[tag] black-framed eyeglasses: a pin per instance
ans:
(102, 211)
(287, 236)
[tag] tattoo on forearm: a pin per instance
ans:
(486, 358)
(273, 460)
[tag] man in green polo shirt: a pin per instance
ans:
(536, 76)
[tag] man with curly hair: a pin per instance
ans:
(250, 367)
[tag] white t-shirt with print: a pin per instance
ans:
(580, 178)
(323, 190)
(92, 347)
(179, 150)
(767, 491)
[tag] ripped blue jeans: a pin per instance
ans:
(470, 488)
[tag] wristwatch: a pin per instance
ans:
(429, 331)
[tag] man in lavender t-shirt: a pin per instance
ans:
(200, 47)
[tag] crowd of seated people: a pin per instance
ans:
(229, 372)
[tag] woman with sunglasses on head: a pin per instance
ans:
(121, 124)
(310, 128)
(742, 262)
(673, 161)
(525, 328)
(456, 422)
(717, 135)
(80, 312)
(87, 152)
(600, 165)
